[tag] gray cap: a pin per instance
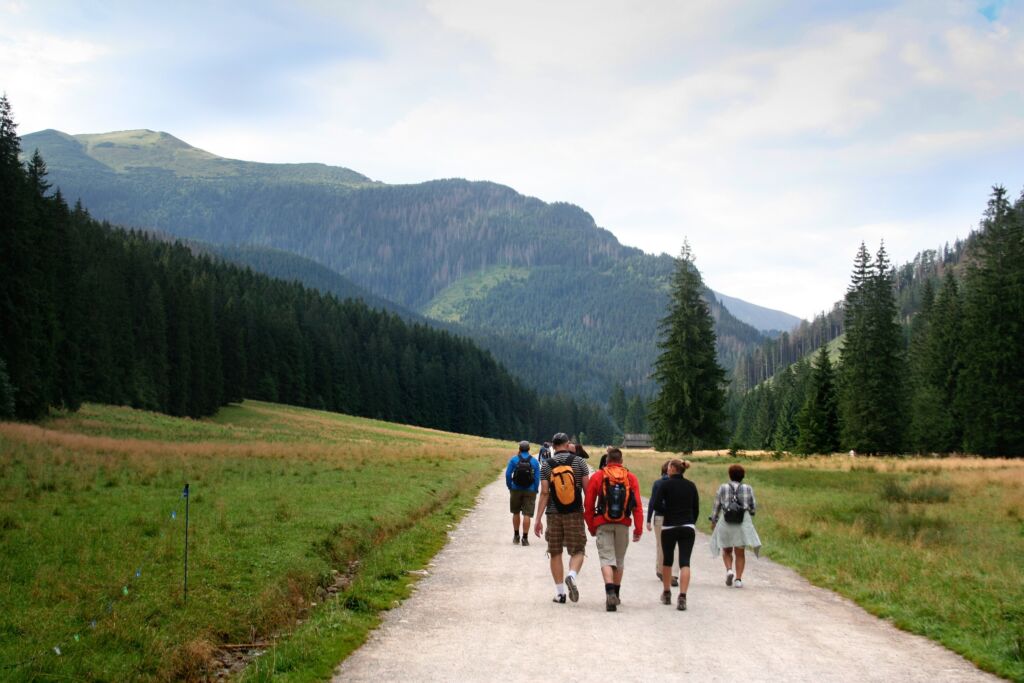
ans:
(559, 438)
(524, 444)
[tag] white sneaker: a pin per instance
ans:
(738, 583)
(729, 576)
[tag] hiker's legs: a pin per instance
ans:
(741, 561)
(526, 525)
(658, 562)
(557, 568)
(668, 551)
(576, 562)
(727, 557)
(686, 538)
(515, 523)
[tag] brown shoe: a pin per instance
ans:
(666, 597)
(682, 602)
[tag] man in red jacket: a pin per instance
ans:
(613, 502)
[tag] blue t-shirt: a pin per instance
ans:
(512, 486)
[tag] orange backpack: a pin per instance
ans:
(617, 499)
(565, 495)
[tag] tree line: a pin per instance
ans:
(755, 364)
(947, 377)
(91, 312)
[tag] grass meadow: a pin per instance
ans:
(285, 502)
(934, 545)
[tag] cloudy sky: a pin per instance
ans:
(774, 136)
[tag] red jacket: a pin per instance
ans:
(595, 520)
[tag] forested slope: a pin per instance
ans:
(92, 312)
(588, 299)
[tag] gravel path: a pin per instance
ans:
(484, 613)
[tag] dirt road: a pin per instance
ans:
(484, 613)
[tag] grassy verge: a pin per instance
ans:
(935, 546)
(90, 506)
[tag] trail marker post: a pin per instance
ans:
(184, 494)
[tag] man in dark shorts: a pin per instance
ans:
(522, 477)
(562, 481)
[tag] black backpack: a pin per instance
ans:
(522, 475)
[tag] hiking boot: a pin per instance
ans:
(675, 582)
(515, 539)
(729, 576)
(526, 540)
(560, 599)
(658, 575)
(610, 602)
(666, 597)
(738, 583)
(574, 592)
(681, 605)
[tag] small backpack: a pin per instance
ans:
(522, 475)
(617, 501)
(565, 496)
(734, 511)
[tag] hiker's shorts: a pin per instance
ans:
(566, 530)
(522, 501)
(612, 541)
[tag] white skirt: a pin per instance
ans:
(742, 535)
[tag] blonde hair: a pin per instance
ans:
(679, 466)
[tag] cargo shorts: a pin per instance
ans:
(522, 502)
(612, 541)
(566, 530)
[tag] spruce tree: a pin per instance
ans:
(871, 392)
(636, 417)
(688, 411)
(818, 420)
(991, 388)
(619, 406)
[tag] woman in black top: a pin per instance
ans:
(678, 501)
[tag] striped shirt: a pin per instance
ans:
(579, 472)
(745, 497)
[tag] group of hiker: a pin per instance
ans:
(559, 486)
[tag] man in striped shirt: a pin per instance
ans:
(566, 527)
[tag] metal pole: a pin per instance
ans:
(186, 543)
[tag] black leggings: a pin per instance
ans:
(684, 536)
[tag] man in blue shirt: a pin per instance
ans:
(522, 477)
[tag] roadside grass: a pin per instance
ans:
(280, 497)
(933, 545)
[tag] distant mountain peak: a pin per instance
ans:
(143, 149)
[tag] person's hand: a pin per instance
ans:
(636, 536)
(649, 527)
(538, 528)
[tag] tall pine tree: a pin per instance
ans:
(818, 420)
(689, 410)
(871, 394)
(991, 388)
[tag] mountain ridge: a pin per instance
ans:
(586, 295)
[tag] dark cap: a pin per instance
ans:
(559, 439)
(524, 445)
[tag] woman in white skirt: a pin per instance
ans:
(734, 508)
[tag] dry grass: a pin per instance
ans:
(281, 497)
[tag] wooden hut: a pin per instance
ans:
(637, 441)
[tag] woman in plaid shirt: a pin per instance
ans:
(727, 537)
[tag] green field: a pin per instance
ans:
(933, 545)
(283, 503)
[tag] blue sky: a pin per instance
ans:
(774, 136)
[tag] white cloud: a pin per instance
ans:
(774, 139)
